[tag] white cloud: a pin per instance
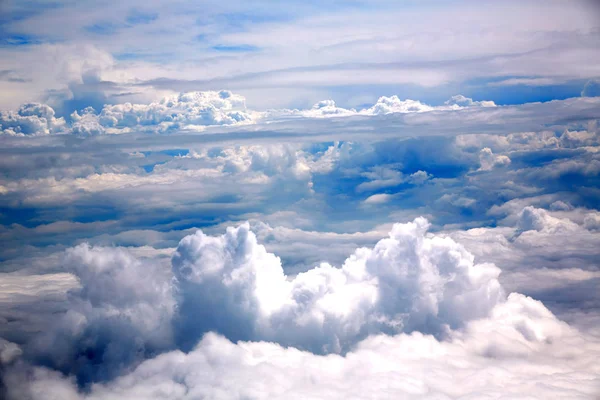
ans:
(544, 254)
(86, 124)
(537, 219)
(488, 160)
(120, 314)
(462, 101)
(192, 111)
(419, 177)
(521, 348)
(407, 282)
(407, 285)
(387, 105)
(393, 104)
(380, 198)
(31, 119)
(180, 111)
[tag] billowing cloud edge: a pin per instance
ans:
(193, 111)
(414, 313)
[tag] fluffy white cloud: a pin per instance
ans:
(393, 104)
(195, 111)
(120, 314)
(387, 105)
(521, 348)
(461, 101)
(183, 111)
(86, 124)
(31, 119)
(537, 219)
(407, 286)
(544, 254)
(488, 160)
(407, 282)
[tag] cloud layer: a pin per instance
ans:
(192, 111)
(409, 286)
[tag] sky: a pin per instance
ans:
(292, 200)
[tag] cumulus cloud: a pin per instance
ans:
(393, 104)
(390, 105)
(186, 110)
(193, 111)
(86, 123)
(120, 314)
(551, 255)
(592, 221)
(462, 101)
(536, 219)
(591, 88)
(31, 119)
(488, 160)
(520, 348)
(415, 309)
(97, 321)
(406, 282)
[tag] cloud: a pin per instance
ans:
(86, 124)
(8, 352)
(378, 198)
(489, 160)
(120, 314)
(414, 306)
(462, 101)
(194, 111)
(521, 348)
(388, 105)
(536, 219)
(591, 88)
(186, 110)
(31, 119)
(406, 282)
(592, 221)
(550, 255)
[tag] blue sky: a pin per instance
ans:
(266, 200)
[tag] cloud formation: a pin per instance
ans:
(31, 119)
(406, 282)
(409, 286)
(192, 111)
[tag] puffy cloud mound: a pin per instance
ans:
(409, 281)
(120, 315)
(393, 104)
(188, 110)
(520, 349)
(384, 105)
(537, 219)
(31, 119)
(194, 111)
(592, 221)
(461, 101)
(488, 160)
(413, 316)
(327, 108)
(178, 111)
(86, 123)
